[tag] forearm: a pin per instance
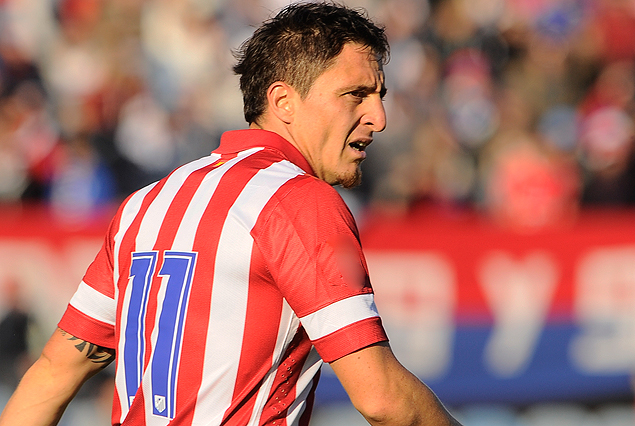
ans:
(436, 414)
(40, 399)
(412, 403)
(386, 393)
(53, 380)
(428, 408)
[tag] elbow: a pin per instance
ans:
(374, 414)
(383, 412)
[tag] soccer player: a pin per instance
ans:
(223, 287)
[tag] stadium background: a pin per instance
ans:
(496, 209)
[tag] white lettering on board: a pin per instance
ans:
(415, 293)
(519, 293)
(604, 309)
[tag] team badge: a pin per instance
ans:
(159, 403)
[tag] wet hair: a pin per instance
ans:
(298, 45)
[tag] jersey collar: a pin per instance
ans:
(238, 140)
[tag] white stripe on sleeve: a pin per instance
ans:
(94, 304)
(339, 315)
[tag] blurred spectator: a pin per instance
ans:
(81, 184)
(14, 336)
(143, 135)
(612, 26)
(468, 98)
(76, 64)
(608, 157)
(528, 187)
(606, 135)
(614, 86)
(28, 138)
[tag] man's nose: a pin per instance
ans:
(375, 117)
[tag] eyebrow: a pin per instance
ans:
(366, 89)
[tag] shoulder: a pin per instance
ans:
(310, 198)
(308, 191)
(305, 206)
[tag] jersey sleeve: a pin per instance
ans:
(91, 312)
(311, 244)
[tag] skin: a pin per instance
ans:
(335, 122)
(386, 393)
(54, 379)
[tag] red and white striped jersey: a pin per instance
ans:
(224, 286)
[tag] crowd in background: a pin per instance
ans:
(522, 109)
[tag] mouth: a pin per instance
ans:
(359, 145)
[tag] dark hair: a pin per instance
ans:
(298, 45)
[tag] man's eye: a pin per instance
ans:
(357, 94)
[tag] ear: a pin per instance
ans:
(281, 98)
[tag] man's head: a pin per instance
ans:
(298, 45)
(314, 75)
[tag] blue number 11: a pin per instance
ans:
(178, 268)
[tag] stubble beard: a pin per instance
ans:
(351, 180)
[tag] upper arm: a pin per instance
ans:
(368, 375)
(65, 351)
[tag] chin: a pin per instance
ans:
(351, 180)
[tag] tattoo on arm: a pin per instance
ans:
(95, 353)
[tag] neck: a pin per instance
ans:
(278, 128)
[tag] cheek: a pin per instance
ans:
(336, 151)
